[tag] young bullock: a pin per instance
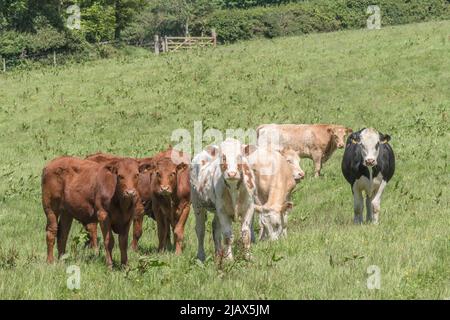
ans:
(222, 182)
(368, 165)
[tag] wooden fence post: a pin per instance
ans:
(4, 65)
(166, 46)
(54, 58)
(156, 44)
(214, 36)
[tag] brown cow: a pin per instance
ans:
(317, 142)
(143, 206)
(181, 198)
(171, 197)
(90, 192)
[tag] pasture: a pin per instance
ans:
(396, 79)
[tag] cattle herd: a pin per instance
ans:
(232, 180)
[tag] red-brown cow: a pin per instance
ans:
(90, 192)
(171, 196)
(143, 206)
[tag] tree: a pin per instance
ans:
(179, 15)
(124, 11)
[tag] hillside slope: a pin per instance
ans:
(396, 79)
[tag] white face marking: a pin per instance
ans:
(370, 146)
(230, 153)
(294, 162)
(339, 136)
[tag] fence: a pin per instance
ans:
(160, 44)
(168, 44)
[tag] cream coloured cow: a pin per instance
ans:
(275, 183)
(317, 142)
(222, 182)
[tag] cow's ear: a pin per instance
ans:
(146, 167)
(111, 167)
(182, 166)
(354, 138)
(385, 138)
(212, 150)
(247, 149)
(287, 206)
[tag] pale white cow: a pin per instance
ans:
(275, 183)
(272, 140)
(222, 182)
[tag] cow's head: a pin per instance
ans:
(293, 159)
(273, 221)
(166, 175)
(369, 140)
(338, 134)
(231, 154)
(127, 171)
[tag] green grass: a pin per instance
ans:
(396, 79)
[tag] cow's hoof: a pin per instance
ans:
(201, 257)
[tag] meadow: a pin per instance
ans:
(396, 79)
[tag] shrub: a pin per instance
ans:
(318, 16)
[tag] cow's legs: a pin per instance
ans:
(358, 205)
(245, 231)
(123, 244)
(163, 227)
(137, 230)
(369, 216)
(252, 229)
(200, 219)
(227, 231)
(65, 222)
(217, 236)
(108, 239)
(317, 159)
(51, 231)
(91, 228)
(179, 227)
(376, 201)
(284, 220)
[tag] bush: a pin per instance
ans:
(318, 16)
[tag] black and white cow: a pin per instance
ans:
(368, 165)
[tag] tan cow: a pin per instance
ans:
(275, 183)
(317, 142)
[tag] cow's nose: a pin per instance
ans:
(165, 189)
(130, 193)
(299, 176)
(370, 162)
(232, 174)
(340, 145)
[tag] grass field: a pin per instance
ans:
(396, 79)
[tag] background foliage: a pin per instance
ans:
(30, 27)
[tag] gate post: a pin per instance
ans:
(214, 36)
(156, 39)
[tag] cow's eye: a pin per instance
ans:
(136, 175)
(120, 177)
(158, 174)
(377, 145)
(173, 174)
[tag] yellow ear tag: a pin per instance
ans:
(384, 141)
(354, 141)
